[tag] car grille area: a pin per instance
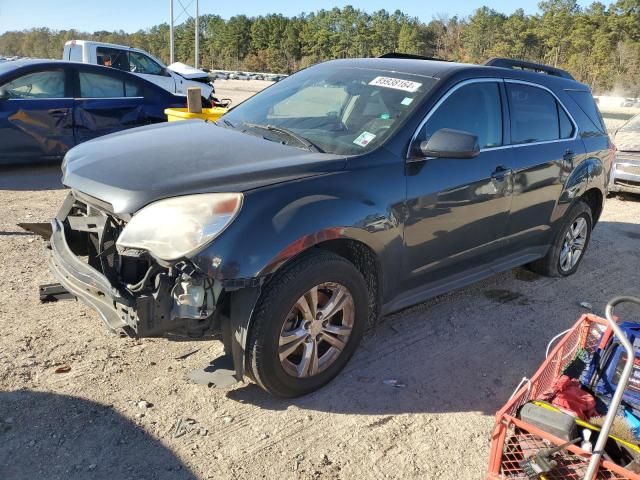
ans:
(156, 295)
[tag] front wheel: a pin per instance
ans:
(307, 324)
(569, 245)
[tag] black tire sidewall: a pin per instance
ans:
(266, 367)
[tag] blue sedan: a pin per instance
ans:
(48, 106)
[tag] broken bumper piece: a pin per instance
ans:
(87, 283)
(147, 314)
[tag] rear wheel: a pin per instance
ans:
(570, 244)
(308, 323)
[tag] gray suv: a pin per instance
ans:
(349, 190)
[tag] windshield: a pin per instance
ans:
(632, 125)
(333, 109)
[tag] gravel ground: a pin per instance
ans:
(77, 402)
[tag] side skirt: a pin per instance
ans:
(455, 282)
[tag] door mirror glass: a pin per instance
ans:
(4, 94)
(449, 143)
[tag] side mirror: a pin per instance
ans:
(4, 94)
(449, 143)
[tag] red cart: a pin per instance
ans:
(510, 433)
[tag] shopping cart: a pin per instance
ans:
(510, 434)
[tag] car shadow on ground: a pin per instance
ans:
(441, 364)
(43, 435)
(31, 177)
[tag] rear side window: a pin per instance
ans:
(93, 85)
(566, 127)
(132, 89)
(475, 108)
(536, 116)
(586, 103)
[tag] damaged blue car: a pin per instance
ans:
(48, 107)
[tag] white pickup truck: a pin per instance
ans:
(176, 78)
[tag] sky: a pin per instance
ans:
(132, 15)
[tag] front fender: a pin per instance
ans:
(278, 223)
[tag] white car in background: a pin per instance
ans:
(176, 78)
(625, 172)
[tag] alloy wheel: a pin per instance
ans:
(316, 330)
(573, 245)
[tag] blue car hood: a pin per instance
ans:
(133, 168)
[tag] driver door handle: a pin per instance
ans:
(500, 173)
(59, 112)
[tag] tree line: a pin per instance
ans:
(599, 44)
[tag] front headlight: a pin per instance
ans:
(173, 228)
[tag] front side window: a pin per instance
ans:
(474, 108)
(140, 63)
(113, 57)
(94, 85)
(536, 116)
(45, 84)
(337, 109)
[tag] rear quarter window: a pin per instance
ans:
(74, 53)
(587, 104)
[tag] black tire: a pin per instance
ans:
(276, 302)
(550, 265)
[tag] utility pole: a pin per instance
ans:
(197, 35)
(171, 57)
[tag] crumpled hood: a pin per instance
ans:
(627, 141)
(133, 168)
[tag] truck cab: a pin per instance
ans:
(135, 61)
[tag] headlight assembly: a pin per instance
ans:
(174, 228)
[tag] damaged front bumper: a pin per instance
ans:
(134, 295)
(140, 297)
(87, 283)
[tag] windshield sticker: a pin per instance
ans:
(396, 83)
(407, 101)
(364, 138)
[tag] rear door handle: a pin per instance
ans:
(59, 112)
(500, 173)
(568, 156)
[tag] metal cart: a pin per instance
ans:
(510, 433)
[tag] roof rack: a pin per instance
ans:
(520, 64)
(409, 56)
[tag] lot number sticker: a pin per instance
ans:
(396, 83)
(364, 138)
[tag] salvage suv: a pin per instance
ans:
(349, 190)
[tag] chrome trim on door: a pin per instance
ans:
(496, 80)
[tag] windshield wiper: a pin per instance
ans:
(227, 122)
(298, 138)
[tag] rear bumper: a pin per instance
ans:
(87, 283)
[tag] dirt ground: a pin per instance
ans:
(239, 90)
(124, 409)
